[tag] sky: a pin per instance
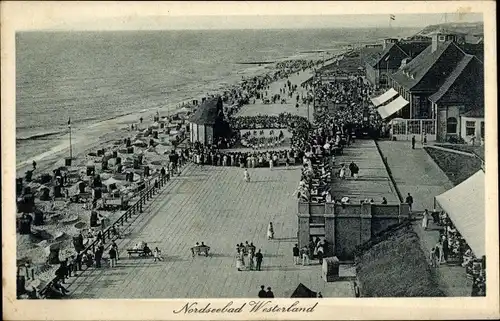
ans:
(261, 22)
(232, 15)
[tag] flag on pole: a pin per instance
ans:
(393, 17)
(69, 121)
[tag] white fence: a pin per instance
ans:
(405, 129)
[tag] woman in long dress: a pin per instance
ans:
(425, 220)
(250, 258)
(270, 231)
(239, 261)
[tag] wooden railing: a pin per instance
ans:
(156, 184)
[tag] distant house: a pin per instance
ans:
(442, 83)
(395, 53)
(205, 122)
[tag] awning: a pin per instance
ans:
(464, 204)
(377, 101)
(392, 107)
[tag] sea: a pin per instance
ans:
(91, 77)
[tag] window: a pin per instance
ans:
(451, 125)
(470, 128)
(482, 129)
(442, 38)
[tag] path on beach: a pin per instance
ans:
(416, 173)
(216, 206)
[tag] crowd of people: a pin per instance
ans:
(281, 121)
(451, 248)
(255, 88)
(247, 258)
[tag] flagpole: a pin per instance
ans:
(70, 145)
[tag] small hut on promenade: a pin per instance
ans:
(205, 124)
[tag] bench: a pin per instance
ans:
(200, 250)
(139, 252)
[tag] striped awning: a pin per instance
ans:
(392, 107)
(377, 101)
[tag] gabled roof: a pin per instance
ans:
(388, 51)
(208, 112)
(417, 70)
(414, 48)
(451, 79)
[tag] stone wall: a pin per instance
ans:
(347, 226)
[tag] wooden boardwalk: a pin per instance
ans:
(213, 205)
(373, 181)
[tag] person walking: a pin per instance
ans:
(354, 170)
(433, 257)
(413, 142)
(296, 253)
(305, 256)
(262, 292)
(258, 259)
(34, 165)
(425, 220)
(246, 175)
(409, 201)
(342, 172)
(439, 252)
(269, 293)
(157, 254)
(270, 231)
(239, 261)
(112, 257)
(251, 255)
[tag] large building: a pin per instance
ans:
(206, 121)
(394, 54)
(441, 83)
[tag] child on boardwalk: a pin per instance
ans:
(157, 254)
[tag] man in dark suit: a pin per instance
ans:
(269, 293)
(413, 142)
(258, 258)
(409, 200)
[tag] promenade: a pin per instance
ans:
(416, 173)
(213, 205)
(373, 181)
